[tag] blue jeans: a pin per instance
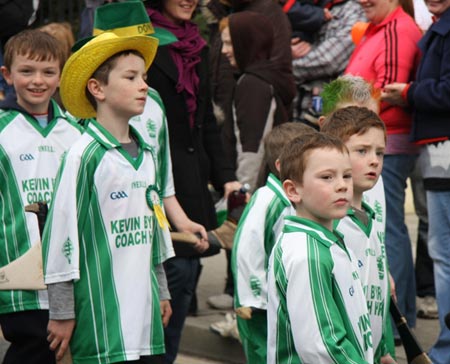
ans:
(439, 250)
(182, 275)
(396, 169)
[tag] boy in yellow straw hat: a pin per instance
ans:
(101, 239)
(130, 18)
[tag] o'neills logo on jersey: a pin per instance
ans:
(26, 157)
(46, 148)
(117, 195)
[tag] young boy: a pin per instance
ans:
(257, 231)
(34, 134)
(364, 134)
(317, 312)
(102, 228)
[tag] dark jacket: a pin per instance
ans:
(306, 18)
(429, 95)
(197, 153)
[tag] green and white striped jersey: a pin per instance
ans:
(102, 235)
(367, 243)
(317, 312)
(29, 159)
(152, 125)
(376, 200)
(256, 234)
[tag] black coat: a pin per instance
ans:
(197, 153)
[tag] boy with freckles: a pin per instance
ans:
(317, 312)
(364, 134)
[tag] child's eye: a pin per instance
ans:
(326, 177)
(50, 73)
(380, 153)
(348, 176)
(362, 151)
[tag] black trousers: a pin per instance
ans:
(27, 333)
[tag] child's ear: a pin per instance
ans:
(292, 190)
(6, 75)
(321, 121)
(278, 165)
(96, 89)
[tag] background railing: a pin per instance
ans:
(59, 11)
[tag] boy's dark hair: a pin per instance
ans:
(101, 74)
(344, 123)
(276, 140)
(35, 45)
(295, 155)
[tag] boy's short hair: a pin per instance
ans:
(101, 74)
(295, 155)
(352, 120)
(276, 140)
(348, 89)
(35, 45)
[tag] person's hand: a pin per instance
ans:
(166, 311)
(392, 285)
(387, 359)
(230, 187)
(299, 48)
(59, 334)
(327, 14)
(392, 94)
(190, 226)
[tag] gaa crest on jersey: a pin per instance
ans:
(67, 250)
(151, 128)
(255, 285)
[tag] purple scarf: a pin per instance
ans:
(186, 54)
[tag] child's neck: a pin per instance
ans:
(357, 200)
(118, 127)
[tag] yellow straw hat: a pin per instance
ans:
(80, 67)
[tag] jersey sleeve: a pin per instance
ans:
(61, 235)
(249, 257)
(162, 245)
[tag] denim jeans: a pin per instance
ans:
(396, 170)
(424, 264)
(182, 275)
(439, 249)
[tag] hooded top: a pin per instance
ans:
(252, 36)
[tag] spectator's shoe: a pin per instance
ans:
(221, 302)
(427, 307)
(226, 328)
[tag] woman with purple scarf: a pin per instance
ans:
(180, 74)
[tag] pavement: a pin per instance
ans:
(199, 345)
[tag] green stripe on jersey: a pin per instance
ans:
(15, 242)
(285, 352)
